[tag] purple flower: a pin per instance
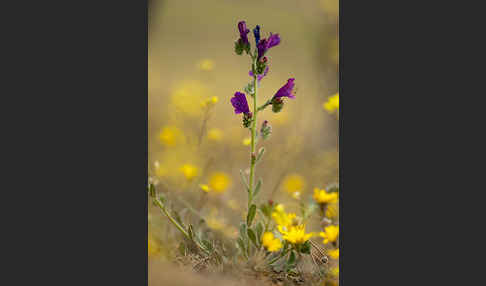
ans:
(264, 45)
(260, 76)
(243, 32)
(286, 90)
(239, 103)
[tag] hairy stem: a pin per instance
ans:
(253, 135)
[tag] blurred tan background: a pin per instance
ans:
(192, 59)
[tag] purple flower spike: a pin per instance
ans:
(265, 44)
(239, 103)
(260, 76)
(286, 90)
(243, 32)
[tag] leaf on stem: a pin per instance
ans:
(252, 236)
(251, 214)
(257, 188)
(261, 151)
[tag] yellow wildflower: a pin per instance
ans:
(170, 136)
(332, 104)
(205, 188)
(295, 234)
(270, 242)
(332, 210)
(215, 134)
(247, 141)
(330, 233)
(219, 182)
(189, 171)
(206, 65)
(293, 183)
(284, 219)
(323, 197)
(334, 254)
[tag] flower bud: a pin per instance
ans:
(261, 65)
(277, 104)
(247, 118)
(266, 130)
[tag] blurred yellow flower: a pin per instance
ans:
(215, 134)
(206, 65)
(187, 97)
(296, 195)
(215, 223)
(332, 210)
(153, 247)
(270, 242)
(323, 197)
(205, 188)
(189, 171)
(332, 104)
(330, 233)
(219, 182)
(247, 141)
(295, 234)
(293, 183)
(335, 271)
(210, 101)
(334, 254)
(170, 136)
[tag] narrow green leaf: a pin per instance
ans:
(245, 183)
(252, 236)
(241, 245)
(243, 234)
(291, 259)
(261, 151)
(259, 230)
(190, 232)
(257, 188)
(251, 214)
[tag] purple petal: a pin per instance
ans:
(286, 90)
(273, 40)
(243, 31)
(239, 103)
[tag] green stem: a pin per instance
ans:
(253, 134)
(177, 225)
(265, 105)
